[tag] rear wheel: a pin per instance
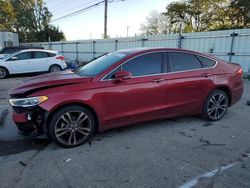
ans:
(3, 72)
(71, 126)
(216, 106)
(55, 68)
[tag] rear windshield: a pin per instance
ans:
(100, 64)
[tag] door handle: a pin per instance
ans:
(206, 75)
(158, 80)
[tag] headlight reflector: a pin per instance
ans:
(28, 102)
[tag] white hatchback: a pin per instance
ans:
(31, 61)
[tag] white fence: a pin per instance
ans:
(230, 45)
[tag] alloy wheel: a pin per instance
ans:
(217, 106)
(3, 73)
(73, 128)
(55, 69)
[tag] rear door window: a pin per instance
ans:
(206, 62)
(183, 62)
(51, 54)
(40, 55)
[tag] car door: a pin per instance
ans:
(189, 82)
(22, 63)
(142, 97)
(41, 61)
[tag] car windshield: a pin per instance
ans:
(100, 64)
(9, 55)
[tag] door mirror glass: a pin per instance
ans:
(122, 75)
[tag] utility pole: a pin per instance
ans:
(127, 30)
(105, 18)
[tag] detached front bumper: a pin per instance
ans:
(29, 121)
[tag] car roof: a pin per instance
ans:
(158, 49)
(23, 47)
(38, 50)
(148, 49)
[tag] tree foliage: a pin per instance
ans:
(30, 19)
(199, 15)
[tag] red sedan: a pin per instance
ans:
(124, 88)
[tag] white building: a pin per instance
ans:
(8, 39)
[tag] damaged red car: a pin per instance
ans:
(124, 88)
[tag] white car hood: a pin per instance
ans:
(3, 55)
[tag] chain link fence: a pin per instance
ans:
(229, 45)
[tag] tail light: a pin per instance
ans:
(60, 57)
(239, 72)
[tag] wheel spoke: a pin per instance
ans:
(74, 138)
(62, 132)
(213, 100)
(70, 137)
(61, 129)
(211, 110)
(82, 120)
(69, 121)
(79, 120)
(222, 107)
(83, 130)
(221, 98)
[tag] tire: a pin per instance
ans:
(64, 129)
(3, 72)
(55, 68)
(215, 106)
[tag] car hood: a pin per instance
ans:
(3, 55)
(47, 81)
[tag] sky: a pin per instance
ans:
(90, 24)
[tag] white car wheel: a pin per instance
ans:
(3, 73)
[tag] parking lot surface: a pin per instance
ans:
(181, 152)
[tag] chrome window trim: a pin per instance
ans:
(216, 62)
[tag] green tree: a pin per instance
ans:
(195, 15)
(200, 15)
(7, 16)
(240, 13)
(51, 33)
(31, 20)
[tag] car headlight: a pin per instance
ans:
(28, 102)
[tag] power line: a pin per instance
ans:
(85, 9)
(80, 5)
(78, 11)
(62, 3)
(62, 10)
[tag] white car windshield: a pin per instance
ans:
(9, 55)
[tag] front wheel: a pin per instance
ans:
(215, 106)
(71, 126)
(3, 72)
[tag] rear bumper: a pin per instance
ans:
(236, 95)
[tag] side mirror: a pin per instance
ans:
(14, 58)
(122, 75)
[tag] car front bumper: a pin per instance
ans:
(29, 121)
